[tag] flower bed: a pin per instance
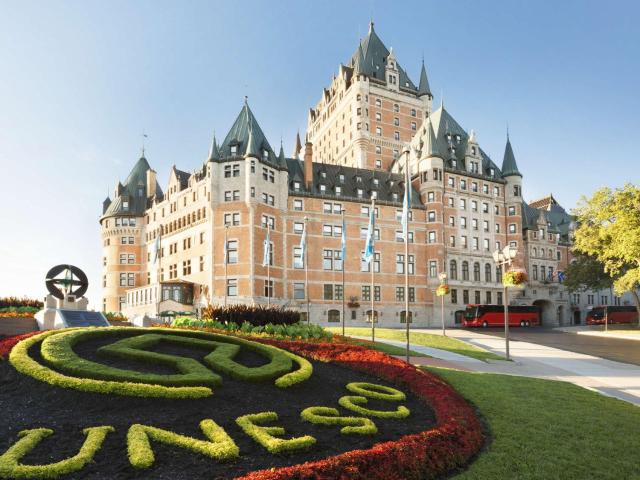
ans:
(450, 444)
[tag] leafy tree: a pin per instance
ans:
(586, 273)
(609, 231)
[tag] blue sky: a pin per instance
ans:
(81, 80)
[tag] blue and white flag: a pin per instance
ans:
(303, 243)
(156, 249)
(561, 277)
(343, 243)
(406, 205)
(225, 250)
(267, 249)
(368, 246)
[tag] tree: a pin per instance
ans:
(586, 273)
(609, 231)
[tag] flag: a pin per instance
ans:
(343, 243)
(303, 243)
(406, 205)
(156, 249)
(368, 246)
(225, 250)
(267, 249)
(561, 277)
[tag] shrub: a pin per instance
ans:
(10, 466)
(379, 392)
(219, 446)
(255, 315)
(115, 317)
(331, 416)
(6, 302)
(301, 331)
(353, 402)
(266, 436)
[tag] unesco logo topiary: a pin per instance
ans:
(63, 367)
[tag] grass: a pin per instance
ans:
(545, 429)
(426, 340)
(388, 349)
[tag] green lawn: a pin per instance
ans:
(425, 339)
(388, 349)
(544, 429)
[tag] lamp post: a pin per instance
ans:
(503, 259)
(443, 281)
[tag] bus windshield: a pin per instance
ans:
(470, 313)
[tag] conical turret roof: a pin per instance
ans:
(509, 166)
(423, 88)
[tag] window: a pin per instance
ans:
(378, 103)
(268, 199)
(465, 296)
(452, 241)
(399, 294)
(475, 245)
(476, 273)
(451, 182)
(396, 136)
(396, 107)
(298, 261)
(487, 272)
(123, 258)
(433, 268)
(186, 267)
(328, 291)
(297, 205)
(431, 216)
(454, 296)
(485, 244)
(201, 263)
(485, 207)
(465, 271)
(453, 270)
(463, 241)
(298, 227)
(463, 222)
(269, 222)
(268, 288)
(298, 291)
(477, 297)
(232, 287)
(499, 298)
(474, 223)
(463, 204)
(512, 228)
(485, 189)
(450, 201)
(378, 131)
(512, 210)
(231, 195)
(399, 263)
(229, 219)
(431, 197)
(123, 279)
(333, 316)
(474, 206)
(232, 251)
(413, 126)
(432, 237)
(364, 266)
(498, 274)
(452, 221)
(474, 186)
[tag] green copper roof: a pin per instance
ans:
(509, 166)
(430, 146)
(214, 153)
(374, 59)
(133, 193)
(423, 88)
(358, 63)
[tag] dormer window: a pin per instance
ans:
(140, 192)
(358, 179)
(375, 182)
(234, 150)
(341, 178)
(323, 189)
(323, 174)
(394, 197)
(492, 172)
(125, 203)
(296, 186)
(360, 193)
(265, 155)
(454, 163)
(473, 150)
(338, 190)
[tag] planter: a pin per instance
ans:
(10, 326)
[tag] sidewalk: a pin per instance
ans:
(615, 379)
(586, 330)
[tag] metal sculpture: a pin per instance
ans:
(74, 282)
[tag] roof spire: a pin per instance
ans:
(214, 153)
(298, 146)
(423, 88)
(509, 166)
(430, 144)
(358, 66)
(370, 25)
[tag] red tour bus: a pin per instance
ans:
(612, 314)
(493, 316)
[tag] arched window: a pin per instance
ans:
(465, 270)
(535, 252)
(487, 272)
(453, 270)
(499, 274)
(333, 316)
(403, 317)
(476, 272)
(375, 316)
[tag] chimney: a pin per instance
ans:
(308, 164)
(151, 183)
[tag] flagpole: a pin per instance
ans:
(373, 267)
(406, 248)
(226, 230)
(268, 264)
(306, 271)
(159, 288)
(342, 253)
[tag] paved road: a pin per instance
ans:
(616, 349)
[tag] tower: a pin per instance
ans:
(513, 202)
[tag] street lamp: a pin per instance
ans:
(443, 281)
(503, 259)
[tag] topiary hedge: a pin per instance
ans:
(256, 315)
